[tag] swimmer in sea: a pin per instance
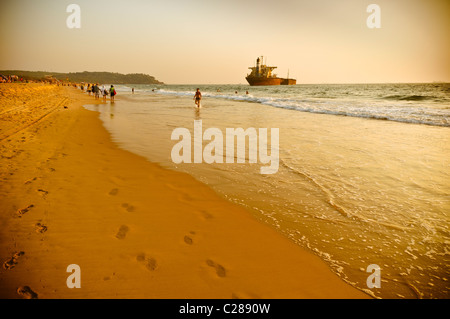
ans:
(197, 97)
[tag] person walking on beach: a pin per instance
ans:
(198, 97)
(104, 92)
(112, 92)
(96, 91)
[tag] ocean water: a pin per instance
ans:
(409, 103)
(363, 176)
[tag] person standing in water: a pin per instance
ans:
(197, 97)
(112, 92)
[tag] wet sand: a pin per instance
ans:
(69, 195)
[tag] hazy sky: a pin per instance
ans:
(212, 41)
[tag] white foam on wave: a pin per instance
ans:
(378, 111)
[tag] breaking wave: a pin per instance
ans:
(354, 108)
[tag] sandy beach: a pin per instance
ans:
(69, 195)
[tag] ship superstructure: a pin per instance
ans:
(262, 74)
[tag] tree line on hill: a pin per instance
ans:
(88, 77)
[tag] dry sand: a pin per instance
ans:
(69, 195)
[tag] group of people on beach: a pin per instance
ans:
(10, 78)
(96, 91)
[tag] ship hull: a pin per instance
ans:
(260, 81)
(289, 82)
(256, 81)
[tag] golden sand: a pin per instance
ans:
(69, 195)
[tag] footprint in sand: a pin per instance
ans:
(30, 180)
(122, 233)
(113, 192)
(27, 293)
(23, 211)
(42, 192)
(186, 197)
(188, 240)
(40, 228)
(204, 214)
(243, 295)
(220, 270)
(149, 262)
(12, 262)
(106, 278)
(128, 207)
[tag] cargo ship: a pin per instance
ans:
(262, 75)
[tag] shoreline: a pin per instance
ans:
(135, 229)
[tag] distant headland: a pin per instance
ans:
(91, 77)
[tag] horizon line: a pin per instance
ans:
(165, 83)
